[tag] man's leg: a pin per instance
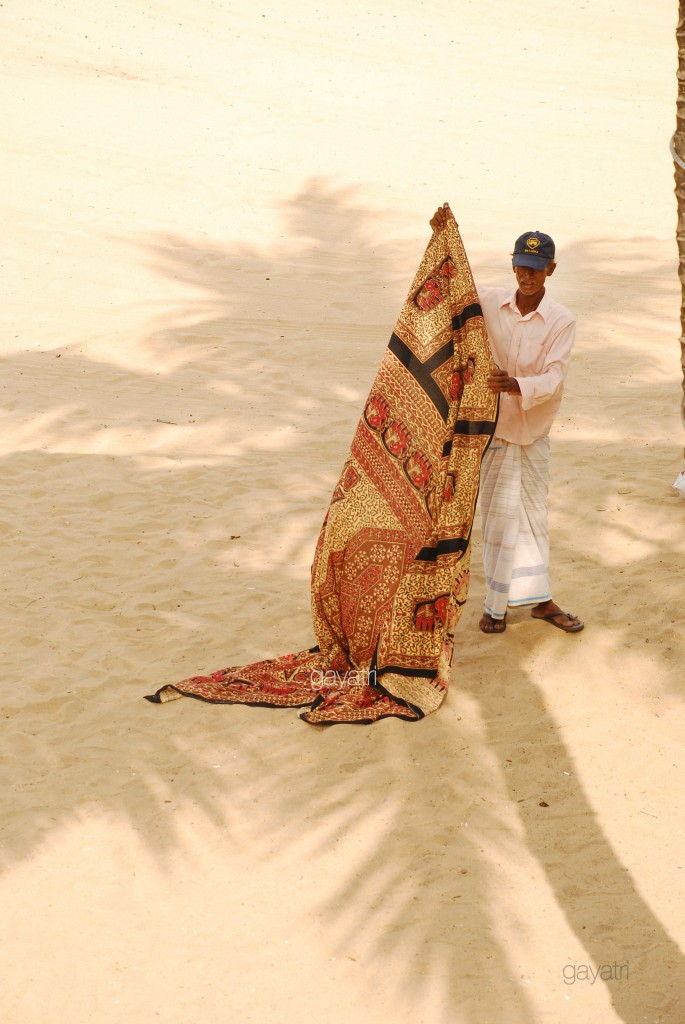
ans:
(530, 584)
(499, 503)
(531, 573)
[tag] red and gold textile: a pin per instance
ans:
(391, 568)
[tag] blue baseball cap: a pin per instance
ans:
(533, 249)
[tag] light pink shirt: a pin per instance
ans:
(536, 349)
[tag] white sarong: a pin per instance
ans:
(513, 500)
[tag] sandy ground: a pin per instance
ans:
(211, 214)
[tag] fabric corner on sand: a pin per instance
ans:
(391, 568)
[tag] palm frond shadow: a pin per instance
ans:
(427, 793)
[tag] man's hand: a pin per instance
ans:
(439, 218)
(499, 380)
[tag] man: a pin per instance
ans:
(531, 337)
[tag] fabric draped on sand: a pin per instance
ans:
(391, 569)
(513, 501)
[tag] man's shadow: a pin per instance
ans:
(592, 887)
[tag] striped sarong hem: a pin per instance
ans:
(513, 498)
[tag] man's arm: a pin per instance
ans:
(542, 386)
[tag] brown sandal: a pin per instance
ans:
(576, 624)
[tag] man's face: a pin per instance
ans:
(532, 281)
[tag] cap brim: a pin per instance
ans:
(523, 260)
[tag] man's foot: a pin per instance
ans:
(548, 611)
(490, 625)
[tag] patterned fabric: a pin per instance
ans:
(513, 501)
(391, 568)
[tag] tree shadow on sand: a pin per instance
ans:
(241, 527)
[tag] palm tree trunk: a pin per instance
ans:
(678, 149)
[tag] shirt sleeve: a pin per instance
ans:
(542, 386)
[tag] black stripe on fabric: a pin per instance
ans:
(421, 372)
(369, 721)
(469, 428)
(443, 547)
(156, 699)
(467, 313)
(377, 684)
(400, 670)
(472, 427)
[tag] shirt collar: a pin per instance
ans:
(543, 308)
